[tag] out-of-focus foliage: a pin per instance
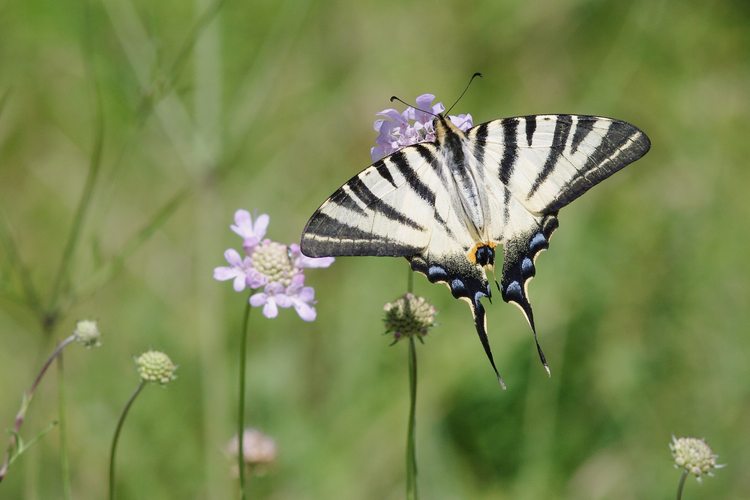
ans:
(641, 302)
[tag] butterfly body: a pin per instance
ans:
(448, 205)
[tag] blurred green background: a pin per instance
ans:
(641, 304)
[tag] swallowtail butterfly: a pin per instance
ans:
(448, 205)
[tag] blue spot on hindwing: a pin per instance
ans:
(527, 267)
(537, 243)
(513, 292)
(436, 273)
(457, 287)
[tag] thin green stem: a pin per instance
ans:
(13, 446)
(411, 453)
(16, 263)
(84, 203)
(64, 464)
(681, 484)
(116, 438)
(410, 280)
(241, 411)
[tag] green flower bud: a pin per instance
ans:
(87, 333)
(408, 316)
(155, 366)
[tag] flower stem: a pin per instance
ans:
(116, 438)
(13, 446)
(84, 203)
(64, 464)
(241, 411)
(681, 484)
(411, 455)
(410, 280)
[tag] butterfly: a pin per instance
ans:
(448, 205)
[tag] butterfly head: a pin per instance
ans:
(445, 130)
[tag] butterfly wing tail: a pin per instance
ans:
(519, 269)
(480, 322)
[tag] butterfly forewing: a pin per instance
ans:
(547, 161)
(388, 209)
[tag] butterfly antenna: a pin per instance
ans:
(394, 98)
(462, 93)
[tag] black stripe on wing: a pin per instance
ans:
(559, 139)
(467, 282)
(510, 149)
(325, 236)
(621, 145)
(519, 268)
(375, 204)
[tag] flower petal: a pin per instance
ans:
(261, 225)
(224, 273)
(240, 282)
(243, 223)
(270, 310)
(305, 311)
(283, 300)
(233, 257)
(303, 261)
(307, 294)
(258, 299)
(255, 279)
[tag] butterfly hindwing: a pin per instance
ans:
(467, 282)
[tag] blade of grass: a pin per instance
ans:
(63, 271)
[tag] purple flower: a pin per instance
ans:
(252, 234)
(395, 130)
(271, 298)
(297, 295)
(302, 298)
(240, 270)
(274, 271)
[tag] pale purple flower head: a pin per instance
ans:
(240, 270)
(274, 271)
(397, 130)
(252, 233)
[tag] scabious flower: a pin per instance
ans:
(694, 456)
(273, 270)
(252, 233)
(87, 333)
(407, 316)
(258, 449)
(397, 130)
(155, 366)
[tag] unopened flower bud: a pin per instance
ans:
(155, 366)
(408, 316)
(87, 333)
